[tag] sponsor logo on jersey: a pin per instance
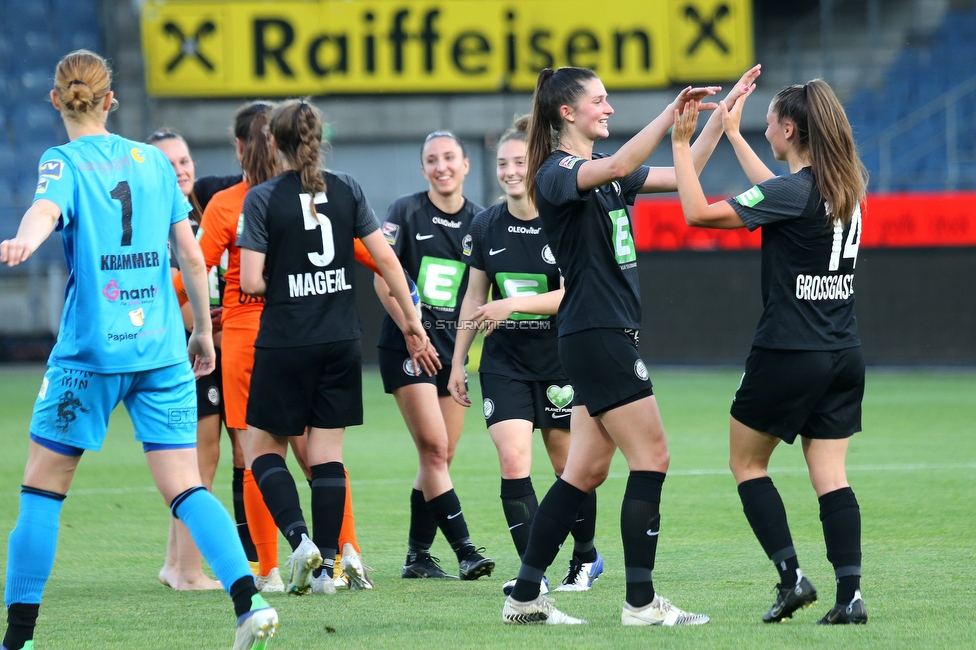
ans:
(137, 317)
(824, 287)
(391, 232)
(41, 186)
(423, 237)
(640, 370)
(130, 261)
(560, 396)
(616, 187)
(318, 283)
(524, 230)
(113, 292)
(118, 337)
(489, 407)
(105, 166)
(445, 222)
(570, 161)
(751, 197)
(51, 169)
(213, 395)
(492, 251)
(466, 245)
(547, 255)
(137, 155)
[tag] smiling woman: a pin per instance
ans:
(426, 231)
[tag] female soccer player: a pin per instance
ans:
(805, 373)
(182, 568)
(297, 252)
(522, 383)
(116, 203)
(582, 200)
(425, 230)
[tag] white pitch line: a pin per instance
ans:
(908, 467)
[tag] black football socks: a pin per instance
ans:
(640, 523)
(519, 504)
(446, 509)
(237, 490)
(584, 530)
(553, 520)
(766, 514)
(328, 500)
(423, 526)
(840, 516)
(281, 496)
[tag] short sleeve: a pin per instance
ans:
(631, 185)
(472, 249)
(366, 221)
(778, 199)
(56, 182)
(393, 225)
(556, 180)
(254, 235)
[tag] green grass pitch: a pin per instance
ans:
(913, 469)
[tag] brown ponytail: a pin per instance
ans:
(553, 90)
(258, 161)
(297, 128)
(823, 132)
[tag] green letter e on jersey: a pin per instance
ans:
(439, 281)
(624, 249)
(750, 197)
(522, 284)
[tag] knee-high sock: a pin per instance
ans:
(212, 529)
(766, 514)
(519, 504)
(32, 544)
(550, 526)
(584, 530)
(328, 495)
(840, 516)
(423, 526)
(240, 516)
(264, 532)
(280, 494)
(446, 509)
(347, 535)
(640, 523)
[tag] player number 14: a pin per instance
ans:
(849, 248)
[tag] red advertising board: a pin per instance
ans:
(915, 220)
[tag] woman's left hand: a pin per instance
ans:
(489, 316)
(684, 124)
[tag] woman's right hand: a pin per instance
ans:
(732, 115)
(684, 124)
(456, 385)
(422, 352)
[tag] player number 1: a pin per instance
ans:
(123, 194)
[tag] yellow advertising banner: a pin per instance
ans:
(320, 47)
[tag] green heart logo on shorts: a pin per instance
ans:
(560, 396)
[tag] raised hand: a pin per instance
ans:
(685, 124)
(732, 111)
(690, 94)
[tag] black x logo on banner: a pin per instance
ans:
(707, 27)
(189, 45)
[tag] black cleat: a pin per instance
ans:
(789, 599)
(473, 566)
(423, 565)
(853, 614)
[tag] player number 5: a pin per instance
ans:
(318, 220)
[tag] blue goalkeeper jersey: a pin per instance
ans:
(118, 199)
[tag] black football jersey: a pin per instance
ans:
(807, 265)
(516, 257)
(310, 297)
(592, 238)
(428, 243)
